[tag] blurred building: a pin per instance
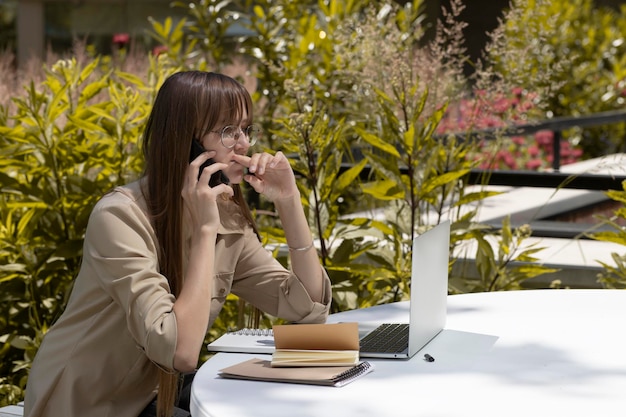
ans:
(54, 24)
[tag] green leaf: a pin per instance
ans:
(93, 89)
(383, 190)
(86, 125)
(475, 197)
(609, 236)
(379, 143)
(435, 182)
(347, 178)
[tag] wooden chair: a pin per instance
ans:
(248, 316)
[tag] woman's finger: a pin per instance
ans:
(194, 171)
(211, 170)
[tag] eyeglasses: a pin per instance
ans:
(230, 135)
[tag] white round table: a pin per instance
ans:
(516, 353)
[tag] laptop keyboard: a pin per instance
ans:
(386, 338)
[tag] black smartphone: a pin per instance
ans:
(216, 179)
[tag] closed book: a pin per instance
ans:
(262, 370)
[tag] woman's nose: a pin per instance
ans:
(243, 141)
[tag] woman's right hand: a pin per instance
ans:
(200, 200)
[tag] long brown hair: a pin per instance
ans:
(188, 104)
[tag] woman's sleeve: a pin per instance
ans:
(262, 281)
(121, 246)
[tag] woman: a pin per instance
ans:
(161, 255)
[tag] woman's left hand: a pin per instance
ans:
(270, 175)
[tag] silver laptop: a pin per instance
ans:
(428, 303)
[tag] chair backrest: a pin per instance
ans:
(248, 316)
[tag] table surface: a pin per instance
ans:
(514, 353)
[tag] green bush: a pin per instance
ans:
(68, 141)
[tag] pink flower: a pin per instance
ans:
(525, 106)
(509, 160)
(121, 39)
(544, 137)
(159, 49)
(501, 105)
(533, 150)
(533, 164)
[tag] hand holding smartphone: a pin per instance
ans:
(216, 179)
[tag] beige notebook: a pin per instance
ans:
(262, 370)
(300, 345)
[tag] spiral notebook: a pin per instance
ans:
(261, 370)
(244, 341)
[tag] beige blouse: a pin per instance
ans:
(101, 357)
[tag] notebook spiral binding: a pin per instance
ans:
(252, 332)
(353, 373)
